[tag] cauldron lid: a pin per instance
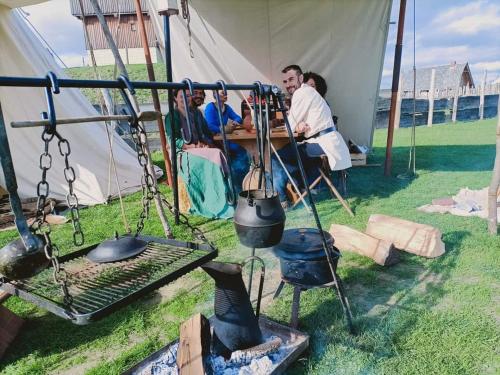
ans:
(118, 248)
(303, 240)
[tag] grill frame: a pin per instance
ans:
(201, 253)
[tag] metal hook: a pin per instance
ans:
(51, 113)
(126, 99)
(232, 194)
(187, 134)
(261, 283)
(260, 135)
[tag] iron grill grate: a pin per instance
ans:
(98, 289)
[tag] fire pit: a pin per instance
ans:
(293, 344)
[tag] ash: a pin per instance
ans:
(238, 364)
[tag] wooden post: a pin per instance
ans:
(481, 95)
(494, 185)
(395, 88)
(154, 92)
(123, 70)
(431, 98)
(398, 104)
(455, 105)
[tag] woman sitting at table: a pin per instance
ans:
(230, 120)
(202, 167)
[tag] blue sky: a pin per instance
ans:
(446, 31)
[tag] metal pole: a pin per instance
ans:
(168, 64)
(395, 88)
(154, 92)
(30, 241)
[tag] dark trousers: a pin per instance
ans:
(310, 154)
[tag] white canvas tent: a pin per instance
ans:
(244, 41)
(23, 55)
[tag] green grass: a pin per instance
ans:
(136, 72)
(421, 316)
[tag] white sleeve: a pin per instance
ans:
(298, 109)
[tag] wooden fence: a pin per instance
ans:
(436, 106)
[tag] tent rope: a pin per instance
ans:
(102, 103)
(187, 16)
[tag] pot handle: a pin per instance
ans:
(261, 282)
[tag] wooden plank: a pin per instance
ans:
(194, 344)
(415, 238)
(455, 106)
(481, 96)
(348, 239)
(358, 159)
(10, 325)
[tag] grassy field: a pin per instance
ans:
(137, 72)
(421, 316)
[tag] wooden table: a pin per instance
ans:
(247, 140)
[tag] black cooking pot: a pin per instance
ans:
(259, 219)
(302, 257)
(16, 262)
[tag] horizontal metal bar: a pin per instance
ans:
(142, 116)
(101, 84)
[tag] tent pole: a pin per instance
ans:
(154, 92)
(30, 241)
(168, 64)
(123, 70)
(395, 87)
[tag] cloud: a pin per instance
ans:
(488, 65)
(469, 19)
(386, 72)
(54, 21)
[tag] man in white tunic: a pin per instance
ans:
(309, 114)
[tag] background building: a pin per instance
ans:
(122, 21)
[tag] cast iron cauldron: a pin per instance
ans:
(16, 262)
(302, 257)
(259, 219)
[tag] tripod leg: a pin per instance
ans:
(278, 291)
(294, 320)
(344, 302)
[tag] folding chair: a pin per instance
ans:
(324, 174)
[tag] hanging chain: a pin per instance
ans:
(183, 219)
(41, 227)
(149, 189)
(71, 198)
(187, 16)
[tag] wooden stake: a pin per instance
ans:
(154, 92)
(494, 185)
(431, 98)
(481, 96)
(455, 105)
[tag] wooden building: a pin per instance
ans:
(122, 21)
(447, 79)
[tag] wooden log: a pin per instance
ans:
(348, 239)
(10, 325)
(415, 238)
(494, 187)
(194, 344)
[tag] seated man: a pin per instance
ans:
(239, 158)
(309, 114)
(202, 167)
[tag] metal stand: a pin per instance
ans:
(298, 288)
(250, 277)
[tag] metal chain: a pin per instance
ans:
(187, 17)
(41, 227)
(149, 189)
(183, 219)
(71, 198)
